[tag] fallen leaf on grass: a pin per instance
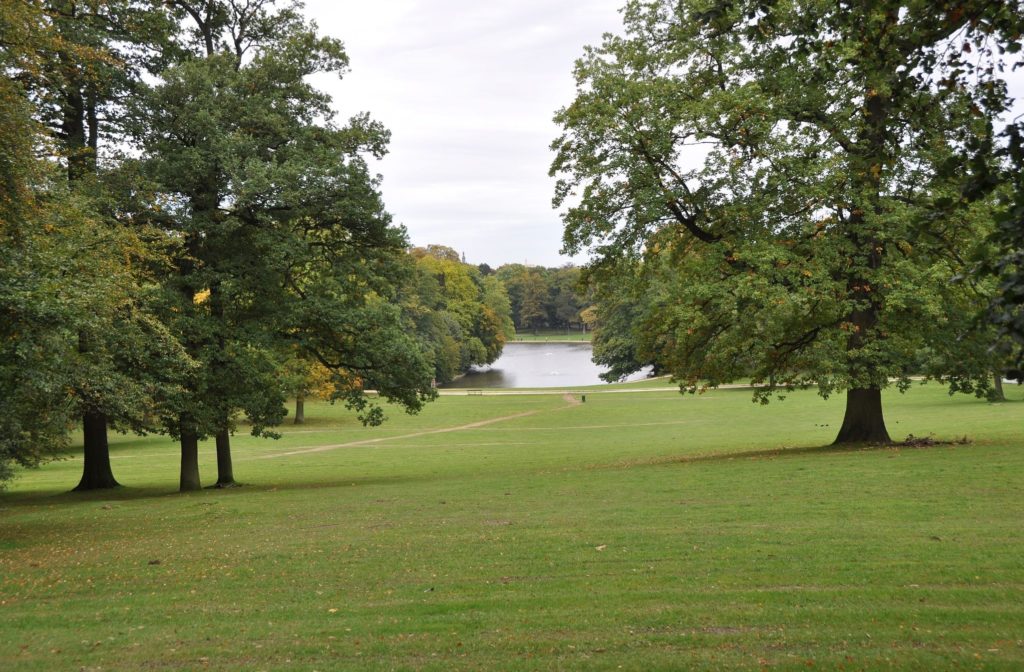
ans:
(601, 547)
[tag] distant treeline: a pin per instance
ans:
(544, 298)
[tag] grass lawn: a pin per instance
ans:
(636, 531)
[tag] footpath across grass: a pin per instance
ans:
(644, 531)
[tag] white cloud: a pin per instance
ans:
(468, 90)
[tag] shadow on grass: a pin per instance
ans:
(773, 453)
(207, 494)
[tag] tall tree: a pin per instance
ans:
(71, 64)
(619, 320)
(532, 313)
(91, 68)
(529, 294)
(63, 276)
(283, 237)
(33, 415)
(1006, 261)
(565, 297)
(786, 158)
(1003, 180)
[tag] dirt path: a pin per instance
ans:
(513, 392)
(413, 435)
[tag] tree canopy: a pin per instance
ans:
(778, 176)
(174, 243)
(461, 314)
(77, 338)
(281, 234)
(540, 297)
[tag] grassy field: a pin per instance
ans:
(636, 531)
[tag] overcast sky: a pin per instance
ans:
(468, 89)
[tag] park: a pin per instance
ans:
(638, 530)
(533, 335)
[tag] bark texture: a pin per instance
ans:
(863, 422)
(997, 387)
(96, 471)
(225, 472)
(189, 462)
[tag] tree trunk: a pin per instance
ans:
(189, 461)
(74, 132)
(997, 389)
(96, 471)
(300, 409)
(863, 422)
(225, 473)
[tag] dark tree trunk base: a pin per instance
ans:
(225, 472)
(96, 471)
(997, 387)
(863, 422)
(300, 410)
(223, 486)
(189, 463)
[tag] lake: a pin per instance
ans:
(538, 365)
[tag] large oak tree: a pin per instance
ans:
(785, 165)
(77, 337)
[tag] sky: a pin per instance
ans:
(468, 90)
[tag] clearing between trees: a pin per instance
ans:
(483, 533)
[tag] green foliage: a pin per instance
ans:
(544, 297)
(76, 334)
(531, 307)
(618, 337)
(1006, 262)
(40, 304)
(763, 178)
(282, 234)
(462, 316)
(95, 62)
(74, 337)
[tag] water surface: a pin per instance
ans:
(538, 365)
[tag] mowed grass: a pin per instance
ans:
(636, 531)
